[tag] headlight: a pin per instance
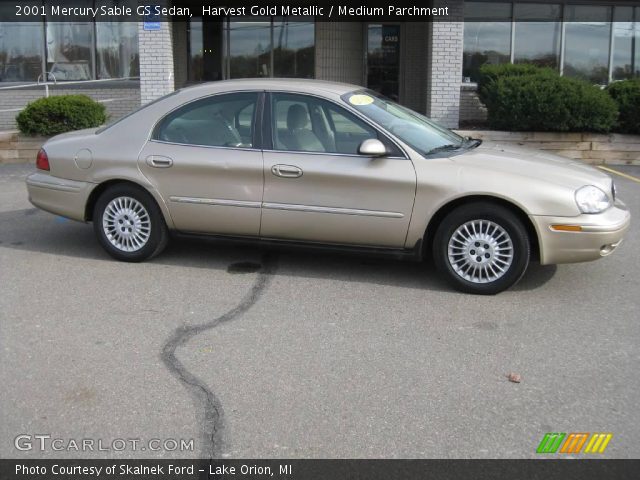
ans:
(591, 199)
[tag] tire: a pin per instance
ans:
(460, 248)
(129, 224)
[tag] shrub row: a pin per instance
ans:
(627, 95)
(518, 97)
(59, 114)
(526, 97)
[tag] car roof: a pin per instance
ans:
(287, 84)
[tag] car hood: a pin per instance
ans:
(535, 164)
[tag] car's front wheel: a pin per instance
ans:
(481, 248)
(128, 223)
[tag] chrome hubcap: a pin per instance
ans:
(480, 251)
(127, 224)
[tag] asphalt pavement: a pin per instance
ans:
(253, 353)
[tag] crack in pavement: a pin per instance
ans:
(213, 423)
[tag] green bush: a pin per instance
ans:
(59, 114)
(525, 97)
(490, 73)
(626, 94)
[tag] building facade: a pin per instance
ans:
(430, 67)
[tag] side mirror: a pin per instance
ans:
(372, 147)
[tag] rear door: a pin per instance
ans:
(318, 188)
(205, 161)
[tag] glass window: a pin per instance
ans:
(537, 34)
(249, 49)
(412, 128)
(293, 49)
(636, 45)
(206, 49)
(309, 124)
(117, 50)
(586, 53)
(383, 59)
(21, 48)
(485, 41)
(69, 50)
(196, 50)
(76, 50)
(623, 39)
(217, 121)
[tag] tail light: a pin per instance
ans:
(42, 161)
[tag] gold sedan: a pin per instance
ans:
(326, 164)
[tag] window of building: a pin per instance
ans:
(196, 50)
(486, 41)
(117, 50)
(69, 50)
(587, 37)
(243, 48)
(624, 43)
(66, 51)
(217, 121)
(21, 51)
(601, 42)
(383, 59)
(293, 48)
(537, 34)
(249, 49)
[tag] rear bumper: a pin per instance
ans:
(599, 236)
(59, 196)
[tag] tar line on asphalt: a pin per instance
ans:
(622, 174)
(212, 411)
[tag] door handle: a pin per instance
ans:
(286, 171)
(158, 161)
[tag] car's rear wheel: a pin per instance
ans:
(481, 248)
(129, 224)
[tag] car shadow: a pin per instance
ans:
(32, 230)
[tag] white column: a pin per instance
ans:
(156, 61)
(444, 65)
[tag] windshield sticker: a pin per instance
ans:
(360, 100)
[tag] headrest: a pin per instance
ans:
(296, 117)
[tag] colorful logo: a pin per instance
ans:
(573, 442)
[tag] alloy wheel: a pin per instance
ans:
(126, 224)
(480, 251)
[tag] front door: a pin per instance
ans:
(383, 59)
(318, 188)
(203, 160)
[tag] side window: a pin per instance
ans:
(217, 121)
(308, 124)
(350, 131)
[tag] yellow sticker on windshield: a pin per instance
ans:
(360, 100)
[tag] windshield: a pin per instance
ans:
(417, 131)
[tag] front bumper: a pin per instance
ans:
(59, 196)
(600, 235)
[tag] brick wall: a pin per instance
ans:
(340, 52)
(595, 148)
(444, 69)
(120, 97)
(156, 60)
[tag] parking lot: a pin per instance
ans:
(283, 354)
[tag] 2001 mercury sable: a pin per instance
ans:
(331, 164)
